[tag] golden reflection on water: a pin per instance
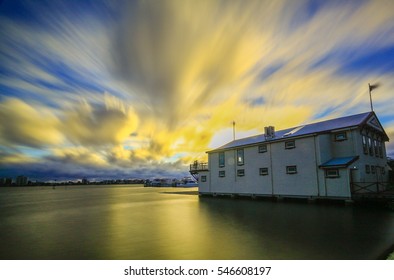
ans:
(133, 222)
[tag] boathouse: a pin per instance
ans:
(329, 159)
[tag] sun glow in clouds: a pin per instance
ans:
(143, 88)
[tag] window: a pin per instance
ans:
(340, 136)
(370, 148)
(380, 149)
(383, 170)
(367, 169)
(203, 178)
(291, 169)
(263, 171)
(365, 145)
(290, 145)
(376, 148)
(372, 169)
(222, 173)
(240, 172)
(332, 173)
(221, 159)
(263, 148)
(240, 157)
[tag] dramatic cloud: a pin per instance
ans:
(89, 125)
(146, 87)
(178, 54)
(27, 125)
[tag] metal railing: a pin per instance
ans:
(199, 166)
(371, 187)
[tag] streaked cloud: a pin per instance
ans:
(146, 87)
(28, 125)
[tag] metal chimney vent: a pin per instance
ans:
(269, 132)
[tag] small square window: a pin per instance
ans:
(263, 148)
(332, 173)
(222, 173)
(203, 178)
(263, 171)
(240, 172)
(291, 169)
(340, 136)
(289, 144)
(367, 169)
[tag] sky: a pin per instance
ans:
(140, 89)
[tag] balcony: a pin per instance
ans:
(196, 167)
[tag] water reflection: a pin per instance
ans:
(272, 230)
(133, 222)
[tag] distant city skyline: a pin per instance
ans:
(141, 89)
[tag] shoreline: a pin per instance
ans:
(388, 254)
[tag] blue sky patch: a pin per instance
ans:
(379, 62)
(255, 101)
(267, 72)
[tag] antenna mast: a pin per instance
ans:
(233, 130)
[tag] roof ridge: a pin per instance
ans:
(344, 117)
(302, 129)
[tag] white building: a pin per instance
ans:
(328, 159)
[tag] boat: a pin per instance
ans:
(160, 182)
(187, 182)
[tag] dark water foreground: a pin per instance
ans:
(133, 222)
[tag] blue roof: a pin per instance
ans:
(302, 130)
(339, 162)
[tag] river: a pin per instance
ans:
(132, 222)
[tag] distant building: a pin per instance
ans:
(85, 181)
(5, 181)
(390, 162)
(8, 181)
(21, 180)
(328, 159)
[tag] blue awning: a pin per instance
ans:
(339, 162)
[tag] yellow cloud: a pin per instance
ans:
(79, 155)
(178, 54)
(27, 124)
(99, 125)
(190, 68)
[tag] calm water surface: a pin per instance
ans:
(133, 222)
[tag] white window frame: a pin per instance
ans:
(241, 172)
(380, 143)
(222, 159)
(340, 136)
(240, 157)
(291, 169)
(332, 173)
(365, 145)
(370, 147)
(290, 144)
(263, 171)
(262, 148)
(375, 147)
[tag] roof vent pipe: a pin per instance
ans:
(269, 132)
